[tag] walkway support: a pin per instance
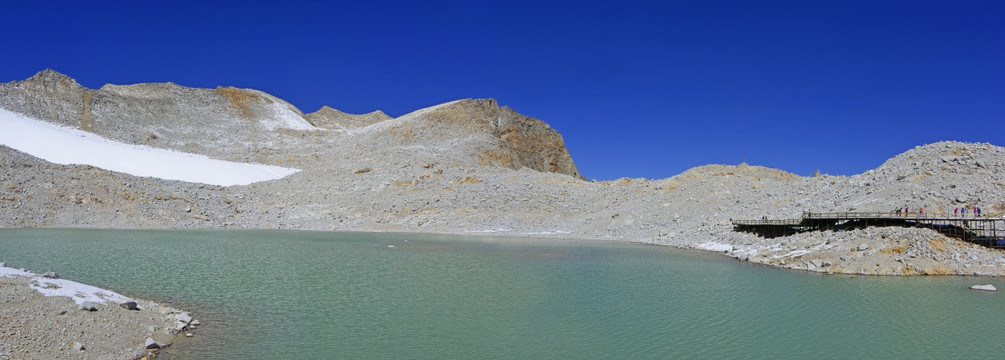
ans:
(978, 230)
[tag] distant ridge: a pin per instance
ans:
(234, 124)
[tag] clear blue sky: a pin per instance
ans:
(637, 89)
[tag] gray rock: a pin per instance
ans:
(195, 323)
(151, 344)
(862, 247)
(88, 306)
(129, 305)
(3, 264)
(184, 318)
(50, 274)
(987, 287)
(77, 345)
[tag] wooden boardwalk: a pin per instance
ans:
(985, 231)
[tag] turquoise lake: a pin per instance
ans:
(323, 295)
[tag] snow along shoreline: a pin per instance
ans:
(60, 319)
(67, 146)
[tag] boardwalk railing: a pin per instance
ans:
(976, 229)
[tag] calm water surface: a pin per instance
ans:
(291, 294)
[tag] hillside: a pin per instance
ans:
(467, 167)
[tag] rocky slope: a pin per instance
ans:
(471, 167)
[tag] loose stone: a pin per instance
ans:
(88, 306)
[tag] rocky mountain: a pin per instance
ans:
(471, 167)
(233, 124)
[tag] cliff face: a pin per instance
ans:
(506, 138)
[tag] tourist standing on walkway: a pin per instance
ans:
(956, 211)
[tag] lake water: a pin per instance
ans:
(292, 294)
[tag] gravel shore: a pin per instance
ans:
(37, 324)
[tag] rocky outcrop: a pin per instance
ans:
(506, 138)
(48, 95)
(534, 144)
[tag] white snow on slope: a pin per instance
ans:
(63, 145)
(80, 293)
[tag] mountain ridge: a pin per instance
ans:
(207, 121)
(471, 166)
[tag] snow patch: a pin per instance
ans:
(80, 293)
(714, 246)
(556, 232)
(284, 116)
(501, 229)
(67, 146)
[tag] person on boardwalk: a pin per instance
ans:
(907, 210)
(956, 211)
(898, 211)
(975, 211)
(921, 212)
(978, 211)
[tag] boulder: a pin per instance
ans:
(89, 306)
(987, 287)
(184, 318)
(129, 305)
(151, 344)
(50, 274)
(3, 264)
(77, 346)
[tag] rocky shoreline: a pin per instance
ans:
(45, 317)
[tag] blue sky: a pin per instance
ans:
(637, 89)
